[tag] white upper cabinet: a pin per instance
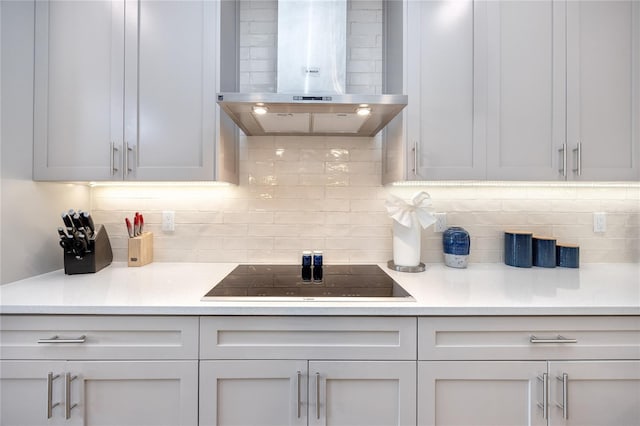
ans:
(525, 89)
(79, 87)
(563, 90)
(444, 138)
(170, 102)
(603, 90)
(125, 90)
(519, 90)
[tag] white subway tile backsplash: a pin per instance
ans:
(304, 193)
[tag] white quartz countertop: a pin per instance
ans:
(481, 289)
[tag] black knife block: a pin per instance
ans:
(98, 255)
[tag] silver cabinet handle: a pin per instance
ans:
(563, 170)
(67, 395)
(545, 397)
(317, 395)
(127, 168)
(50, 404)
(112, 162)
(559, 339)
(565, 402)
(578, 151)
(299, 378)
(415, 159)
(57, 339)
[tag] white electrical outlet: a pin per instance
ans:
(599, 222)
(168, 221)
(441, 222)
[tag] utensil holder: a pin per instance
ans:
(140, 249)
(98, 255)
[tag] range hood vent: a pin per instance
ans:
(311, 75)
(335, 115)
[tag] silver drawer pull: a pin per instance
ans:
(57, 339)
(559, 339)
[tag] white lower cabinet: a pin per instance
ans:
(480, 393)
(98, 370)
(593, 393)
(508, 393)
(300, 392)
(123, 393)
(329, 371)
(581, 371)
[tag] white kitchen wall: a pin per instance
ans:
(258, 46)
(30, 211)
(325, 193)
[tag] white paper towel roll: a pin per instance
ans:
(406, 244)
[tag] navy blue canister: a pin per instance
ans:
(456, 245)
(544, 252)
(518, 249)
(568, 256)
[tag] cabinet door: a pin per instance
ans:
(367, 393)
(525, 90)
(441, 76)
(596, 393)
(170, 90)
(603, 91)
(259, 393)
(480, 393)
(78, 93)
(133, 393)
(25, 396)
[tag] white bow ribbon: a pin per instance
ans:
(404, 212)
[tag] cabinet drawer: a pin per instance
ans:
(105, 337)
(504, 338)
(308, 338)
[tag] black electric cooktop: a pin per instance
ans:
(294, 283)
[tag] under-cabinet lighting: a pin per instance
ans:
(159, 184)
(510, 184)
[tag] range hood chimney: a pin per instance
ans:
(311, 81)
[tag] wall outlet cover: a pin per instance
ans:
(168, 221)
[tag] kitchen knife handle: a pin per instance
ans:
(67, 393)
(89, 221)
(563, 150)
(112, 163)
(50, 404)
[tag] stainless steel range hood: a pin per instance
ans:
(311, 75)
(334, 115)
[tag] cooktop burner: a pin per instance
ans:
(324, 283)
